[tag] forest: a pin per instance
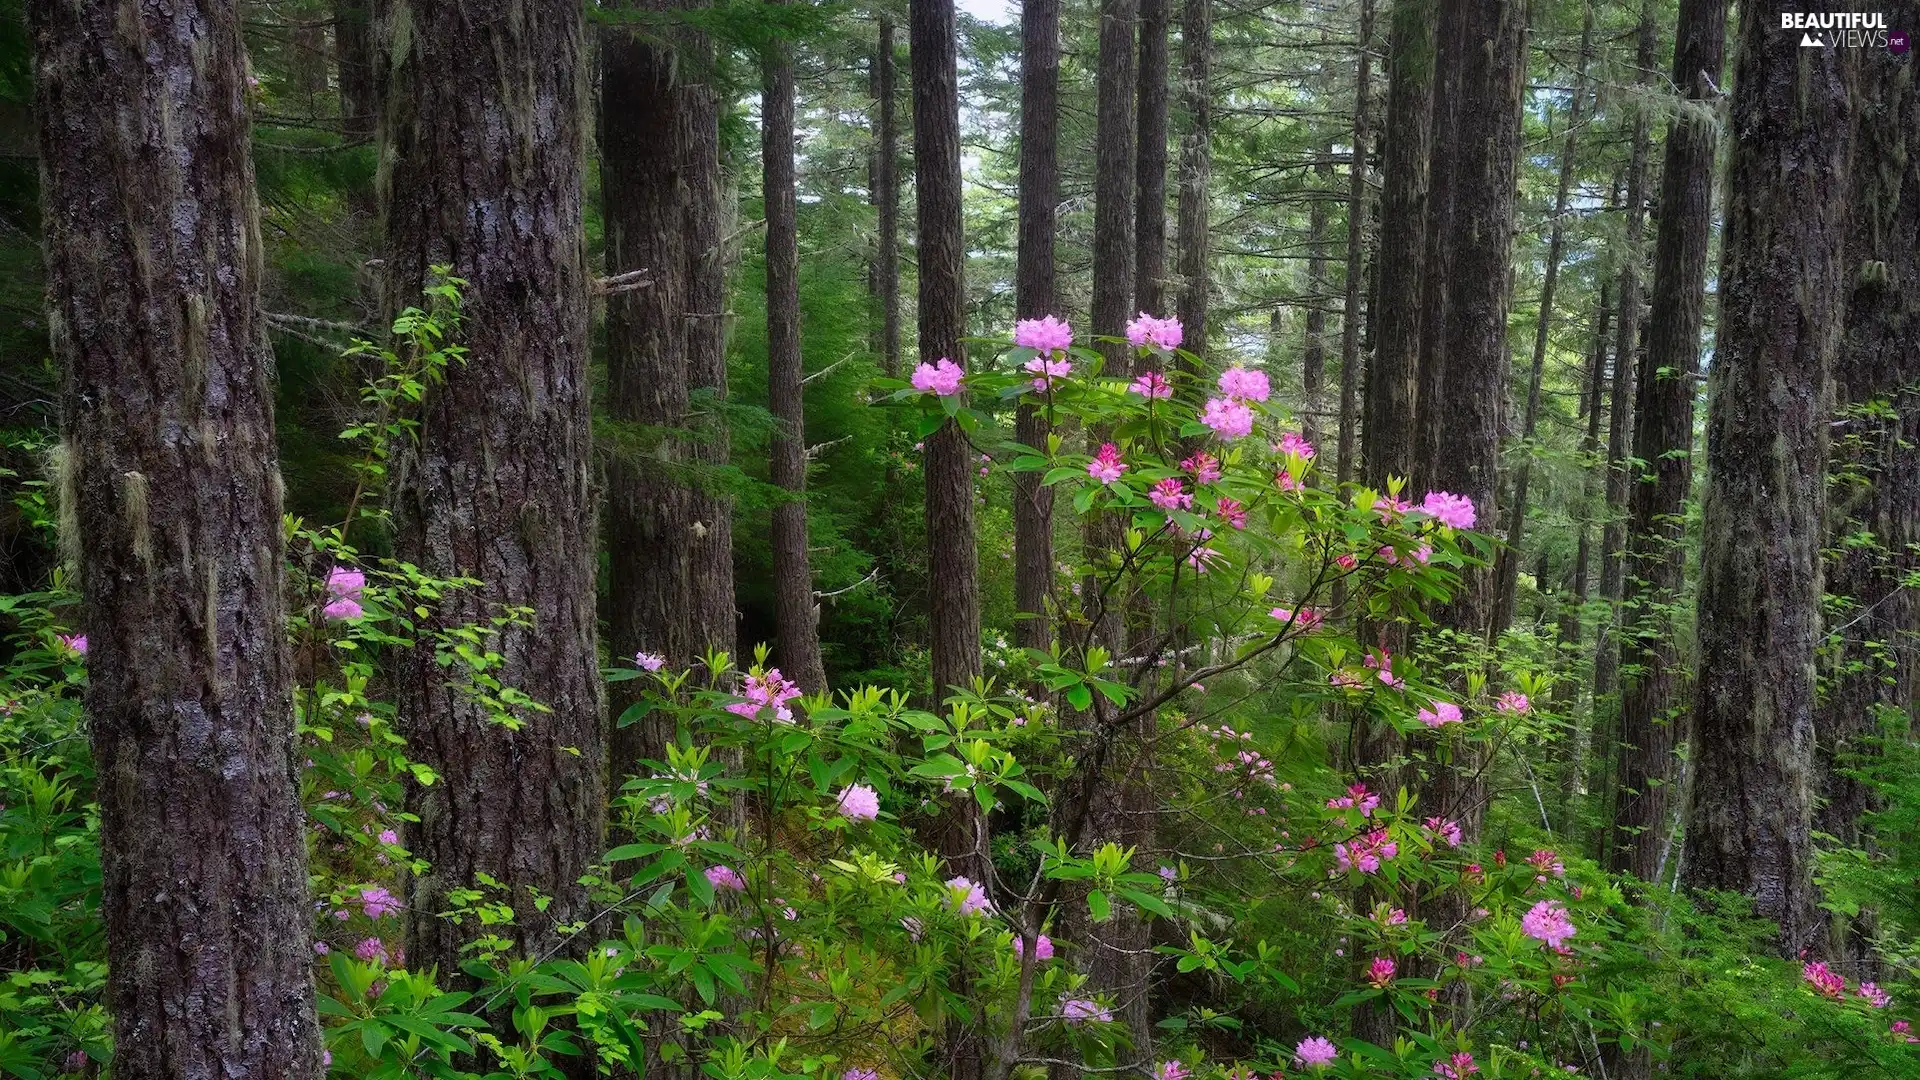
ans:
(879, 540)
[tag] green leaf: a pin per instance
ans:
(1099, 905)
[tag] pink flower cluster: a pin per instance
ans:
(726, 877)
(1241, 384)
(1042, 947)
(1443, 830)
(1169, 495)
(378, 902)
(942, 377)
(1356, 798)
(1106, 465)
(76, 642)
(649, 661)
(1204, 467)
(343, 593)
(1453, 511)
(1380, 972)
(1442, 713)
(1824, 979)
(858, 802)
(1229, 419)
(1045, 334)
(1548, 921)
(1514, 702)
(1152, 386)
(1149, 332)
(1315, 1052)
(1082, 1010)
(1457, 1067)
(1172, 1070)
(1365, 853)
(770, 690)
(1305, 618)
(1547, 862)
(968, 898)
(1046, 371)
(1231, 512)
(1292, 444)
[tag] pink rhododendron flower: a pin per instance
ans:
(860, 1074)
(1228, 418)
(1442, 713)
(1315, 1052)
(1147, 331)
(649, 661)
(371, 949)
(378, 902)
(1045, 334)
(1453, 511)
(1347, 561)
(1167, 495)
(1903, 1029)
(1824, 979)
(1171, 1070)
(1457, 1067)
(1382, 663)
(941, 377)
(1042, 947)
(1240, 384)
(859, 802)
(1420, 555)
(1875, 996)
(1231, 512)
(770, 690)
(1046, 371)
(1106, 466)
(1152, 386)
(1390, 916)
(1292, 443)
(1515, 702)
(1204, 467)
(343, 593)
(969, 899)
(1548, 921)
(76, 642)
(1380, 972)
(1305, 618)
(1548, 863)
(1081, 1010)
(1365, 853)
(726, 877)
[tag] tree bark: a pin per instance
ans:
(1606, 658)
(645, 207)
(484, 113)
(1451, 34)
(154, 274)
(1035, 296)
(1508, 571)
(795, 614)
(1196, 169)
(1782, 304)
(1150, 194)
(886, 182)
(353, 54)
(1467, 412)
(1313, 354)
(711, 619)
(1650, 706)
(1357, 203)
(1875, 485)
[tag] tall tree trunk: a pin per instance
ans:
(1472, 393)
(1509, 563)
(1150, 201)
(1313, 356)
(1357, 202)
(1451, 34)
(1875, 488)
(959, 835)
(153, 273)
(1606, 650)
(1196, 169)
(711, 619)
(648, 529)
(795, 614)
(1566, 692)
(484, 111)
(1387, 426)
(1782, 306)
(353, 54)
(1650, 705)
(1034, 297)
(886, 183)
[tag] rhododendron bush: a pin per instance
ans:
(772, 904)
